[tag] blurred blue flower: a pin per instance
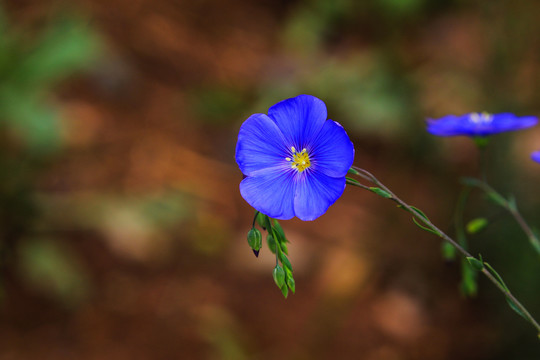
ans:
(294, 159)
(478, 124)
(536, 156)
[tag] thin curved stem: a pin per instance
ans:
(533, 239)
(468, 275)
(353, 182)
(511, 207)
(421, 217)
(483, 162)
(255, 218)
(460, 209)
(415, 212)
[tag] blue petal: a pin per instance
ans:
(509, 122)
(315, 192)
(300, 119)
(260, 145)
(536, 156)
(271, 191)
(446, 126)
(333, 151)
(452, 125)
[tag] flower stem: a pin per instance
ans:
(460, 209)
(482, 148)
(421, 217)
(468, 275)
(511, 207)
(533, 239)
(255, 218)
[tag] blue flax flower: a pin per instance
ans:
(294, 159)
(536, 156)
(478, 124)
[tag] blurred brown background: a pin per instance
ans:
(123, 234)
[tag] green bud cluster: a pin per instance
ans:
(277, 243)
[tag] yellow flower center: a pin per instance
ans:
(481, 118)
(300, 160)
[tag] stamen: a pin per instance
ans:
(481, 118)
(299, 160)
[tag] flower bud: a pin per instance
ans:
(254, 239)
(290, 282)
(279, 276)
(271, 243)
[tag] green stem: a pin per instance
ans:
(368, 176)
(483, 162)
(533, 239)
(255, 218)
(353, 182)
(460, 209)
(468, 275)
(511, 207)
(272, 232)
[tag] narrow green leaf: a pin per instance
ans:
(352, 171)
(514, 307)
(533, 239)
(385, 194)
(475, 263)
(512, 203)
(353, 182)
(448, 251)
(497, 276)
(476, 225)
(535, 244)
(425, 228)
(420, 212)
(496, 198)
(469, 285)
